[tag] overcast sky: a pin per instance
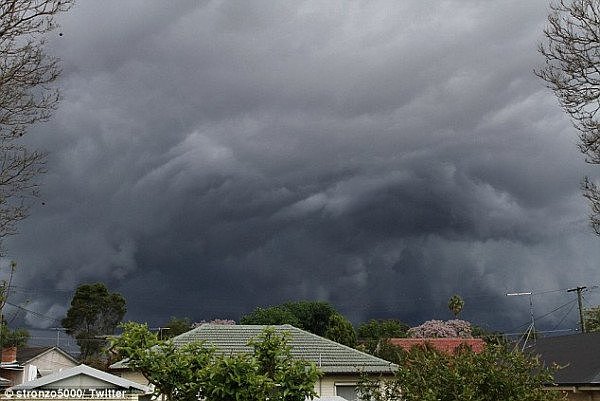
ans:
(209, 157)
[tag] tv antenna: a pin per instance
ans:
(530, 332)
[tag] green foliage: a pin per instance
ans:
(12, 338)
(387, 351)
(591, 319)
(177, 326)
(234, 377)
(194, 370)
(456, 305)
(373, 334)
(493, 337)
(8, 337)
(94, 314)
(495, 374)
(341, 330)
(380, 329)
(274, 315)
(175, 372)
(287, 379)
(313, 316)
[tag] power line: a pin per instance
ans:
(33, 312)
(546, 314)
(564, 317)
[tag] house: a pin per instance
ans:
(42, 361)
(79, 383)
(342, 366)
(579, 358)
(446, 345)
(23, 364)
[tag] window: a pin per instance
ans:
(348, 391)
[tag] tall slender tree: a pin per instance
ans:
(456, 305)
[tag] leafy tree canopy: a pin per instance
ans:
(373, 335)
(380, 329)
(341, 330)
(274, 315)
(442, 329)
(191, 371)
(456, 305)
(591, 319)
(317, 317)
(176, 326)
(497, 373)
(12, 338)
(94, 313)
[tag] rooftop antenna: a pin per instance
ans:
(531, 329)
(58, 330)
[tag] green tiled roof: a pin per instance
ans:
(329, 356)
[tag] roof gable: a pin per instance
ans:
(96, 375)
(329, 356)
(28, 354)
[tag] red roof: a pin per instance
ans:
(447, 345)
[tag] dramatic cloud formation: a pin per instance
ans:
(209, 157)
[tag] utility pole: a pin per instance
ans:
(581, 321)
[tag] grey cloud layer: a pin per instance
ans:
(214, 156)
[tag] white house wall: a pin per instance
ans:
(52, 362)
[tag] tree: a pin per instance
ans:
(26, 98)
(195, 371)
(591, 319)
(373, 335)
(572, 71)
(174, 372)
(12, 338)
(5, 287)
(8, 337)
(94, 314)
(316, 317)
(489, 336)
(454, 328)
(379, 329)
(456, 305)
(341, 330)
(383, 349)
(274, 315)
(497, 373)
(175, 327)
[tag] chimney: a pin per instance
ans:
(9, 355)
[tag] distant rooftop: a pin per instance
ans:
(329, 356)
(578, 355)
(25, 354)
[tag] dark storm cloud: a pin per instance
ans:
(210, 157)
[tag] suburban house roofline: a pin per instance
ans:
(329, 356)
(81, 370)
